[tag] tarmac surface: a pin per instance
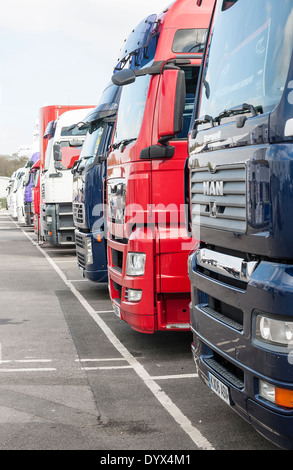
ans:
(73, 376)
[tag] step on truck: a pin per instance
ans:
(147, 240)
(63, 149)
(241, 173)
(89, 176)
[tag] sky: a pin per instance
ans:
(58, 52)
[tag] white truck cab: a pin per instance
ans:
(64, 146)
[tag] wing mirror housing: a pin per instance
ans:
(170, 117)
(57, 152)
(172, 104)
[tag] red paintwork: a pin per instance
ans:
(165, 285)
(69, 156)
(48, 114)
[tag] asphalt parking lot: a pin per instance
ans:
(73, 376)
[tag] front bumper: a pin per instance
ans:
(225, 348)
(96, 269)
(57, 224)
(158, 309)
(28, 213)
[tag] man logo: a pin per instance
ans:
(213, 188)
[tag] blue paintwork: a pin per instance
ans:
(88, 189)
(264, 146)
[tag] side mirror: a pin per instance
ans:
(123, 77)
(49, 131)
(57, 152)
(27, 178)
(172, 104)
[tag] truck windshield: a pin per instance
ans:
(68, 152)
(131, 108)
(36, 175)
(49, 152)
(249, 55)
(68, 132)
(90, 147)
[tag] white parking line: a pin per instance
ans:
(195, 435)
(31, 369)
(101, 359)
(25, 360)
(106, 368)
(170, 377)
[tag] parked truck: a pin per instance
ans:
(9, 190)
(64, 146)
(89, 176)
(20, 196)
(147, 240)
(28, 190)
(241, 173)
(14, 191)
(35, 172)
(47, 117)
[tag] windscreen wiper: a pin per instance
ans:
(123, 143)
(76, 166)
(204, 120)
(197, 45)
(245, 108)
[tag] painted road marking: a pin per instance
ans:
(31, 369)
(24, 360)
(101, 359)
(195, 435)
(170, 377)
(107, 367)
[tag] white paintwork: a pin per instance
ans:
(58, 190)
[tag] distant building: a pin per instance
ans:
(3, 185)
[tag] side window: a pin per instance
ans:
(191, 77)
(189, 40)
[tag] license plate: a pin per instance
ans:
(219, 388)
(116, 309)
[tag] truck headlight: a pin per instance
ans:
(49, 219)
(133, 295)
(135, 264)
(89, 251)
(116, 201)
(279, 396)
(273, 331)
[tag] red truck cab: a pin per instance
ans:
(148, 244)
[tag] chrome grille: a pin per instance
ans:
(79, 240)
(78, 214)
(218, 198)
(81, 259)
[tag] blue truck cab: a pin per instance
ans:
(89, 173)
(240, 198)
